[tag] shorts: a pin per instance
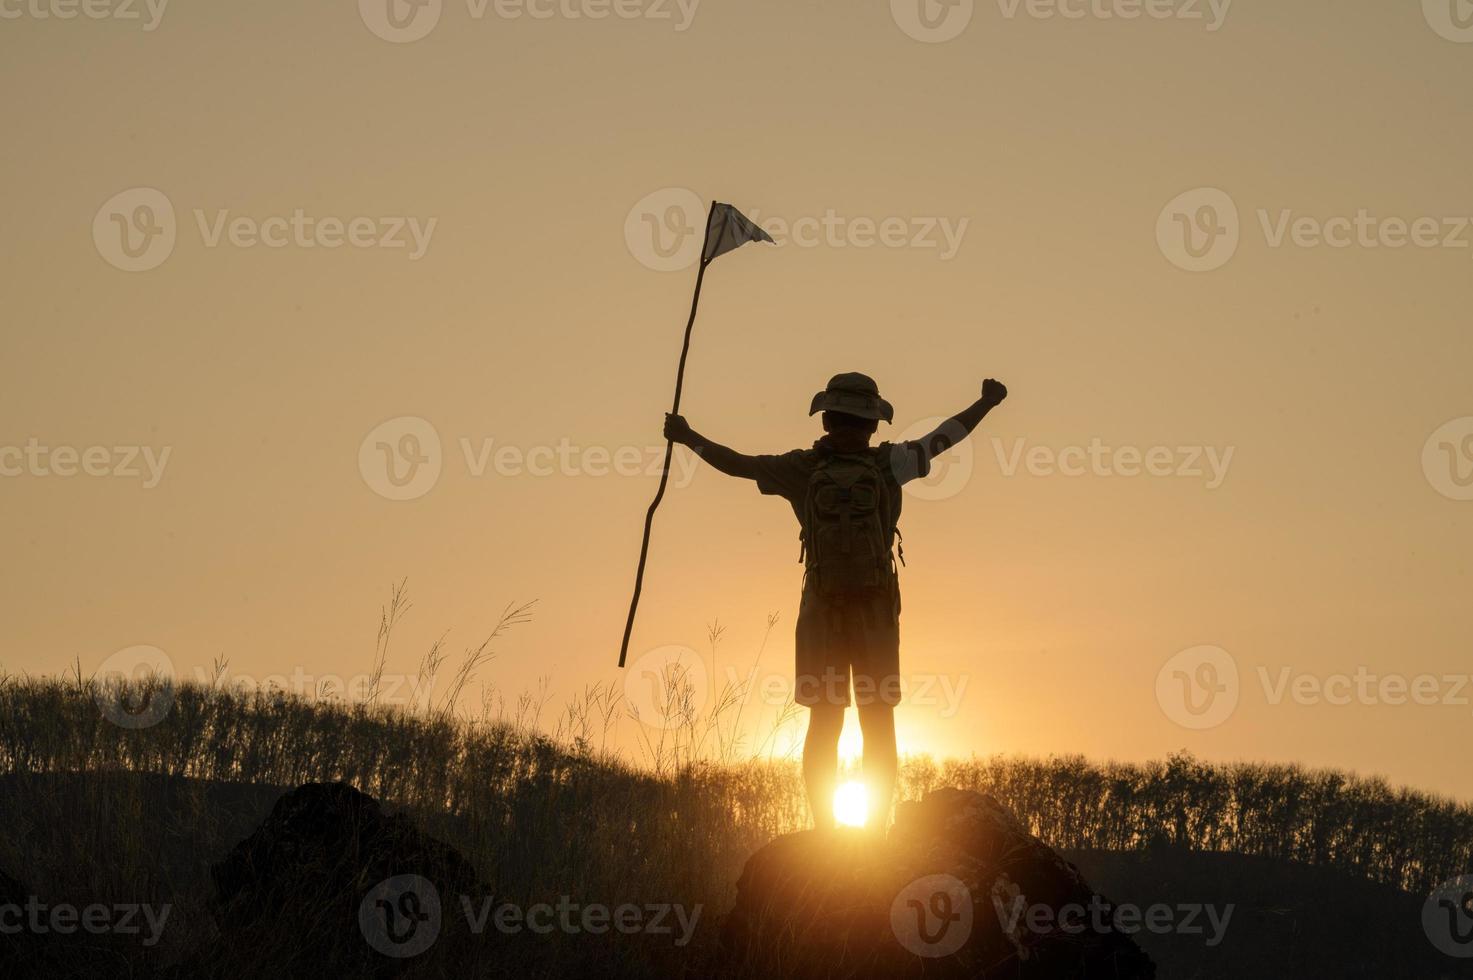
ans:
(840, 636)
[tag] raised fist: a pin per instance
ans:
(994, 391)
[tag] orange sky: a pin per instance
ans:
(457, 229)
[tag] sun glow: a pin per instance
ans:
(851, 805)
(851, 743)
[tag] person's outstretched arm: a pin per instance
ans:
(728, 461)
(960, 425)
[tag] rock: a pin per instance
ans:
(329, 886)
(1033, 912)
(959, 889)
(812, 903)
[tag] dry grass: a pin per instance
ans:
(96, 811)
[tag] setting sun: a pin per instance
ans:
(851, 805)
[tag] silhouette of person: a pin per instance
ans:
(846, 495)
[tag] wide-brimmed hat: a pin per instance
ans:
(853, 394)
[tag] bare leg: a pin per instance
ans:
(877, 724)
(821, 761)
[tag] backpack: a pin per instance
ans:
(848, 527)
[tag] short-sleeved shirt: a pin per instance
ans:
(787, 475)
(861, 634)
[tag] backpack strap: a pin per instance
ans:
(846, 509)
(890, 522)
(808, 516)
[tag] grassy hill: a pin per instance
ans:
(1326, 871)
